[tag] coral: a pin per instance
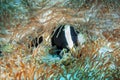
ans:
(95, 59)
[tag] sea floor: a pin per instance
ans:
(97, 58)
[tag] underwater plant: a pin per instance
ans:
(97, 58)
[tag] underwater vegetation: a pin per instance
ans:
(23, 22)
(92, 65)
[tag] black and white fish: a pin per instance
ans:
(64, 37)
